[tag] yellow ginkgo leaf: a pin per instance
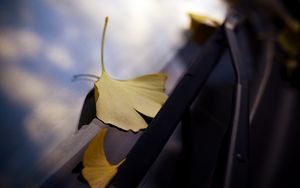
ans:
(201, 19)
(202, 27)
(289, 40)
(119, 102)
(97, 170)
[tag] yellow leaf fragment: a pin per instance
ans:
(289, 41)
(119, 101)
(97, 170)
(201, 19)
(202, 27)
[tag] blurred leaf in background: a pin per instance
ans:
(202, 27)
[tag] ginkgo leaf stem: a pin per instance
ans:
(102, 43)
(88, 77)
(85, 75)
(83, 79)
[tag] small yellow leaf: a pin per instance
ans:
(119, 101)
(289, 41)
(97, 170)
(202, 27)
(201, 19)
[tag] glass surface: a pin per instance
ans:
(43, 44)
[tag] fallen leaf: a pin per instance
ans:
(119, 102)
(201, 19)
(202, 27)
(289, 40)
(97, 170)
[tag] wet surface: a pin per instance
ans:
(44, 44)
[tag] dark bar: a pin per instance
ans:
(148, 147)
(236, 172)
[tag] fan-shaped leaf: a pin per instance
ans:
(97, 170)
(119, 101)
